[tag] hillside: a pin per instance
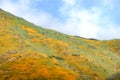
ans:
(30, 52)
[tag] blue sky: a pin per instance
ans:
(86, 18)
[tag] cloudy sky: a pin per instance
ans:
(98, 19)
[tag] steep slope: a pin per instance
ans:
(31, 52)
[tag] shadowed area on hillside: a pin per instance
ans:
(114, 77)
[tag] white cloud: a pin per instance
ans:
(109, 33)
(90, 23)
(81, 22)
(70, 2)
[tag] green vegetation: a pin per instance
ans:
(30, 52)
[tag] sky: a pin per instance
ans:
(97, 19)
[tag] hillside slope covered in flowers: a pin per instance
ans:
(30, 52)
